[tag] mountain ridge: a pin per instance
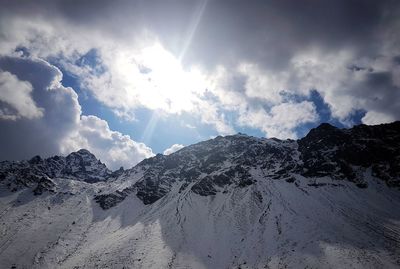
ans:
(327, 200)
(325, 151)
(83, 165)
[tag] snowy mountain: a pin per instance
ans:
(81, 165)
(328, 200)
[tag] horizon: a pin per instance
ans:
(179, 148)
(130, 79)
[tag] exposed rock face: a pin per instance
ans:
(339, 153)
(44, 184)
(228, 162)
(81, 165)
(107, 201)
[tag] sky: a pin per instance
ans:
(130, 79)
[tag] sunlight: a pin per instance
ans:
(155, 78)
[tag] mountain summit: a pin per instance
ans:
(327, 200)
(81, 165)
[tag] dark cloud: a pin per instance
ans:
(267, 32)
(396, 59)
(270, 32)
(380, 93)
(25, 137)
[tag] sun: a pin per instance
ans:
(161, 82)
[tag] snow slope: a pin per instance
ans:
(231, 202)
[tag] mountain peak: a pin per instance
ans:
(326, 126)
(35, 160)
(84, 151)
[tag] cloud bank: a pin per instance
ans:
(48, 118)
(230, 64)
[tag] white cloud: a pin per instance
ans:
(190, 126)
(149, 77)
(209, 113)
(17, 95)
(62, 128)
(113, 148)
(281, 120)
(228, 86)
(257, 96)
(173, 148)
(346, 83)
(260, 84)
(372, 118)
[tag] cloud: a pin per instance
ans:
(250, 56)
(173, 148)
(16, 99)
(61, 128)
(209, 113)
(164, 86)
(346, 84)
(373, 117)
(113, 148)
(281, 120)
(190, 126)
(263, 85)
(24, 137)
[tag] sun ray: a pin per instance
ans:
(193, 27)
(150, 126)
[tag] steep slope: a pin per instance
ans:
(328, 200)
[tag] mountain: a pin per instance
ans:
(328, 200)
(81, 165)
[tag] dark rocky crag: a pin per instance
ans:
(37, 172)
(327, 150)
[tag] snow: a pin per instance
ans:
(284, 217)
(269, 224)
